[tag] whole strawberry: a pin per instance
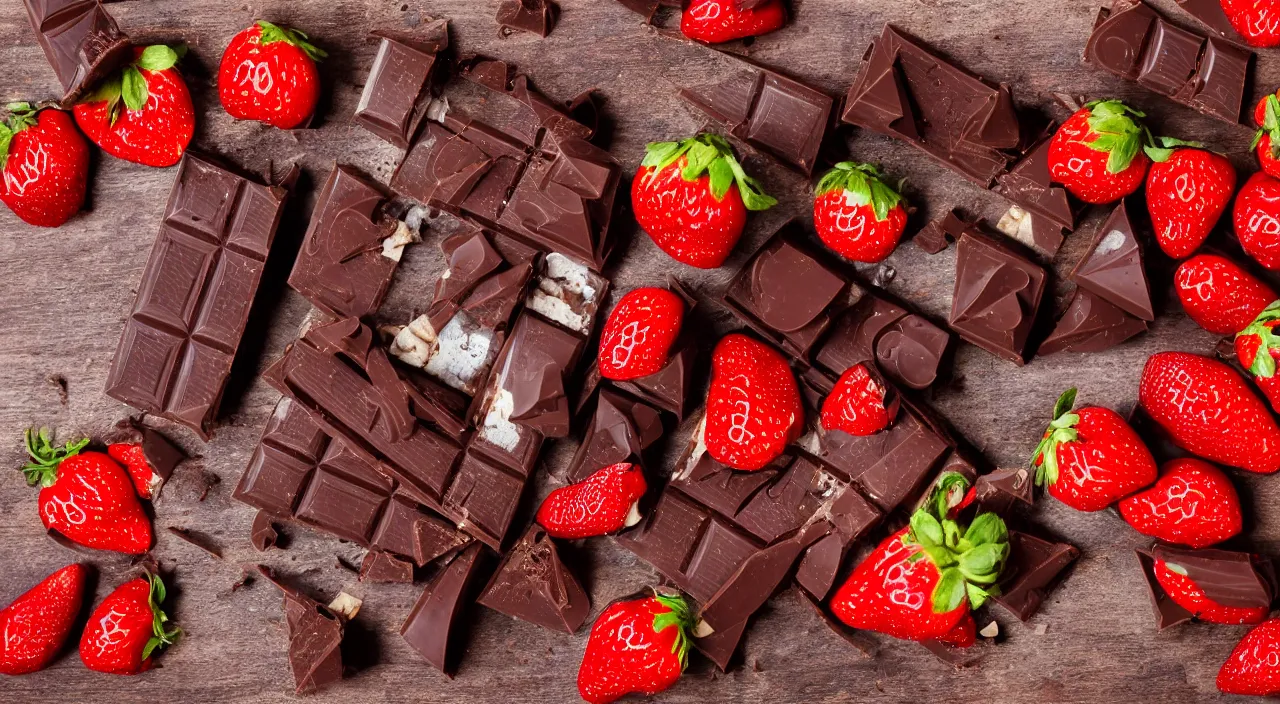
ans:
(1258, 21)
(856, 214)
(45, 164)
(1186, 593)
(268, 73)
(921, 582)
(639, 646)
(691, 197)
(603, 503)
(1257, 219)
(753, 405)
(1090, 458)
(86, 496)
(1251, 667)
(716, 21)
(1220, 296)
(1193, 503)
(1188, 190)
(1258, 348)
(1097, 153)
(143, 113)
(36, 624)
(638, 335)
(145, 480)
(1266, 141)
(860, 403)
(1209, 410)
(127, 628)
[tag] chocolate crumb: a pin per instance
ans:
(60, 382)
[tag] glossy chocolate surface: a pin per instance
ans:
(1113, 269)
(997, 296)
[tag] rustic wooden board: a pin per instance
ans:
(65, 293)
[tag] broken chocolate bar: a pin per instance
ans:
(1091, 324)
(398, 90)
(533, 16)
(1034, 567)
(81, 41)
(432, 627)
(385, 568)
(1113, 269)
(533, 585)
(997, 296)
(621, 430)
(906, 347)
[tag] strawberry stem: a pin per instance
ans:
(1044, 460)
(1263, 327)
(1270, 125)
(863, 183)
(271, 33)
(161, 635)
(710, 154)
(45, 458)
(1119, 134)
(969, 559)
(679, 616)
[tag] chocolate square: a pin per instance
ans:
(997, 296)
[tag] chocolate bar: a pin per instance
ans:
(1113, 269)
(193, 303)
(997, 296)
(81, 41)
(621, 429)
(757, 578)
(1034, 567)
(1228, 578)
(1131, 40)
(533, 585)
(904, 346)
(432, 625)
(533, 16)
(1091, 324)
(397, 93)
(786, 294)
(774, 114)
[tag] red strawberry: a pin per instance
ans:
(603, 503)
(269, 74)
(35, 626)
(715, 21)
(1097, 152)
(964, 635)
(1257, 219)
(143, 113)
(860, 403)
(45, 163)
(639, 646)
(1220, 296)
(638, 336)
(1193, 503)
(1258, 348)
(1091, 458)
(753, 405)
(856, 214)
(145, 480)
(1188, 190)
(127, 627)
(1251, 667)
(86, 496)
(1187, 594)
(691, 197)
(1258, 21)
(1266, 141)
(1209, 410)
(921, 582)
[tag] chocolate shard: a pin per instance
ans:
(263, 534)
(934, 237)
(384, 568)
(1114, 270)
(1131, 40)
(1211, 15)
(1091, 324)
(722, 646)
(81, 41)
(620, 431)
(432, 627)
(398, 90)
(852, 517)
(199, 540)
(470, 259)
(757, 578)
(533, 16)
(1002, 490)
(434, 539)
(161, 454)
(1034, 567)
(1230, 578)
(1043, 211)
(997, 296)
(533, 585)
(315, 639)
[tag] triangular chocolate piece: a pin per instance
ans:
(1113, 269)
(1091, 325)
(533, 585)
(315, 638)
(1034, 567)
(471, 258)
(431, 628)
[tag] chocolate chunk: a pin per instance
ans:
(341, 267)
(721, 647)
(397, 92)
(536, 118)
(161, 454)
(1034, 567)
(776, 115)
(757, 578)
(432, 625)
(384, 568)
(620, 431)
(1232, 579)
(906, 347)
(199, 540)
(264, 534)
(1003, 489)
(934, 237)
(533, 585)
(81, 41)
(1091, 324)
(1042, 211)
(533, 16)
(1113, 270)
(470, 259)
(533, 375)
(997, 296)
(434, 539)
(315, 639)
(193, 303)
(1211, 15)
(1207, 74)
(483, 497)
(852, 516)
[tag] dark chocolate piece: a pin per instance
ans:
(620, 431)
(866, 645)
(1091, 324)
(264, 534)
(1043, 212)
(997, 296)
(161, 454)
(193, 303)
(432, 627)
(1212, 16)
(721, 647)
(537, 120)
(397, 92)
(776, 115)
(1113, 269)
(1034, 567)
(1131, 40)
(906, 347)
(852, 516)
(384, 568)
(934, 237)
(1003, 489)
(533, 585)
(81, 41)
(1167, 613)
(533, 16)
(1232, 579)
(757, 578)
(315, 639)
(434, 539)
(534, 375)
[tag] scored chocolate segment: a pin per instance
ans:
(532, 584)
(906, 347)
(398, 90)
(81, 41)
(193, 303)
(1113, 269)
(432, 627)
(1091, 324)
(1034, 567)
(1131, 40)
(997, 296)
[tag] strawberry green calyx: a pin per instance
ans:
(709, 153)
(45, 458)
(948, 493)
(1119, 134)
(969, 560)
(863, 183)
(127, 88)
(274, 33)
(1061, 429)
(1270, 125)
(1167, 146)
(677, 616)
(161, 634)
(21, 116)
(1263, 327)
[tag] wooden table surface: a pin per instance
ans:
(64, 295)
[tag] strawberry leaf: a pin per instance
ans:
(6, 136)
(133, 88)
(950, 591)
(1118, 133)
(948, 492)
(677, 615)
(986, 529)
(982, 564)
(1065, 403)
(926, 530)
(157, 57)
(271, 33)
(721, 178)
(1263, 328)
(978, 595)
(45, 458)
(862, 184)
(660, 155)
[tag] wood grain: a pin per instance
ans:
(65, 293)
